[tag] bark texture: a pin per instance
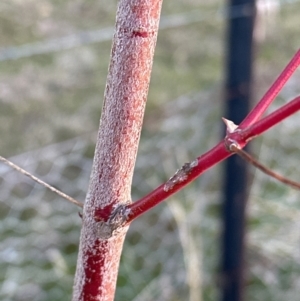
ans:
(119, 133)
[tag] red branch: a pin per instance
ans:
(271, 120)
(212, 157)
(105, 209)
(117, 143)
(273, 91)
(239, 135)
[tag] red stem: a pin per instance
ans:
(214, 156)
(207, 160)
(242, 136)
(270, 95)
(271, 120)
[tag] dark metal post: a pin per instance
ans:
(241, 15)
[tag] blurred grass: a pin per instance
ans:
(49, 98)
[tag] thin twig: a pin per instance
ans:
(26, 173)
(266, 170)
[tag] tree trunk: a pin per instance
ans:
(120, 127)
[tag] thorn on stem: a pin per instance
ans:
(230, 125)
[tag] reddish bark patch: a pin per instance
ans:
(91, 287)
(102, 214)
(142, 34)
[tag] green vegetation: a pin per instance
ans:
(50, 98)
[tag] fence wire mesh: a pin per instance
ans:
(171, 253)
(41, 231)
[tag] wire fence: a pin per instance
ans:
(40, 231)
(171, 253)
(265, 7)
